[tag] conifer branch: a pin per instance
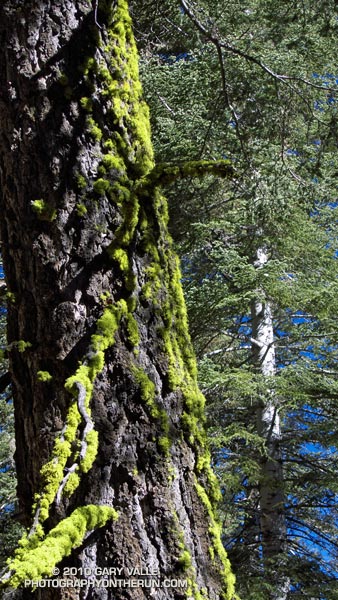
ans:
(214, 37)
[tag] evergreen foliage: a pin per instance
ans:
(254, 83)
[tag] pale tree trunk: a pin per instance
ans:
(271, 492)
(97, 328)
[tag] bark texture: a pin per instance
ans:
(96, 321)
(271, 489)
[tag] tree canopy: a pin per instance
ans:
(256, 84)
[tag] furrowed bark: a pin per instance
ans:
(96, 320)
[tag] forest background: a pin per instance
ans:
(253, 83)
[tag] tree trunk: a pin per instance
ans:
(271, 489)
(107, 412)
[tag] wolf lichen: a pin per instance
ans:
(101, 185)
(81, 210)
(44, 376)
(184, 560)
(43, 210)
(217, 546)
(94, 129)
(33, 563)
(21, 345)
(52, 473)
(148, 395)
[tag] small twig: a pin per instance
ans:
(87, 419)
(166, 104)
(62, 485)
(95, 6)
(81, 404)
(35, 521)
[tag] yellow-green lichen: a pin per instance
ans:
(121, 257)
(111, 161)
(81, 210)
(72, 484)
(36, 562)
(148, 395)
(132, 329)
(94, 129)
(86, 103)
(10, 297)
(164, 444)
(148, 389)
(218, 548)
(52, 473)
(81, 182)
(88, 65)
(184, 560)
(43, 210)
(92, 440)
(44, 376)
(101, 186)
(109, 144)
(21, 345)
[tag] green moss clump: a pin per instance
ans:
(44, 211)
(44, 376)
(36, 562)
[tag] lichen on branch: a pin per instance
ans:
(165, 173)
(36, 558)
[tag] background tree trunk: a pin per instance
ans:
(270, 488)
(90, 271)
